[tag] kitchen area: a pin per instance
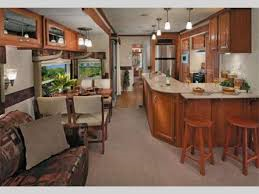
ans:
(204, 87)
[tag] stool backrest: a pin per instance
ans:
(88, 104)
(102, 83)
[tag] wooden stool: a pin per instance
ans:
(242, 125)
(195, 126)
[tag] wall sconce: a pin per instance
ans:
(10, 77)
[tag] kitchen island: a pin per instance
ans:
(167, 106)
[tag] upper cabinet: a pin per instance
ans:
(21, 28)
(198, 42)
(57, 36)
(213, 33)
(230, 31)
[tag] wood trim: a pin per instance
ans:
(19, 96)
(134, 35)
(2, 55)
(91, 12)
(101, 12)
(125, 67)
(196, 31)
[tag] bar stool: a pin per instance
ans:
(243, 126)
(194, 127)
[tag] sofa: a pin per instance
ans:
(68, 168)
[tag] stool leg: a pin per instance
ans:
(236, 151)
(210, 146)
(193, 136)
(245, 154)
(227, 138)
(185, 143)
(202, 155)
(256, 147)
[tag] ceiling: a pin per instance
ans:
(130, 20)
(69, 17)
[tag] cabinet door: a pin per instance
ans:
(163, 116)
(71, 40)
(21, 28)
(213, 33)
(224, 32)
(198, 42)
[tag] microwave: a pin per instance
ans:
(185, 58)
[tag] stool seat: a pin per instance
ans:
(243, 122)
(198, 122)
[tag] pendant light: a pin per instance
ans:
(189, 23)
(81, 40)
(153, 33)
(167, 24)
(158, 32)
(88, 41)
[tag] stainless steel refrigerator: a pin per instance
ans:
(165, 59)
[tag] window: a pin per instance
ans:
(49, 71)
(90, 68)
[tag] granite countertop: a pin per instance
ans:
(212, 91)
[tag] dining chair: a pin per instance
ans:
(86, 84)
(48, 106)
(105, 84)
(90, 110)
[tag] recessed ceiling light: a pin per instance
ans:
(143, 14)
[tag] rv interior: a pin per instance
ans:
(129, 97)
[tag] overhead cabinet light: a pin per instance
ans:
(167, 23)
(189, 23)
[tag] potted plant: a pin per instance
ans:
(126, 80)
(62, 83)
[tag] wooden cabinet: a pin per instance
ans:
(71, 40)
(164, 109)
(230, 31)
(185, 44)
(55, 35)
(20, 27)
(198, 42)
(224, 32)
(213, 34)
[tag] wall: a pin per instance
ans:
(22, 61)
(125, 54)
(246, 65)
(101, 44)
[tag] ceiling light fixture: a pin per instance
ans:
(88, 41)
(153, 33)
(158, 32)
(167, 24)
(189, 23)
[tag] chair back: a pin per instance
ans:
(102, 83)
(86, 83)
(88, 104)
(52, 105)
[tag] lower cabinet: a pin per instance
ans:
(164, 120)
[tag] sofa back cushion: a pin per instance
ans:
(11, 146)
(43, 138)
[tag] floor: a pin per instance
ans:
(134, 158)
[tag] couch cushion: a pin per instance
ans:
(67, 168)
(43, 138)
(11, 145)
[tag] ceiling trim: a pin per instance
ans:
(134, 35)
(100, 10)
(93, 13)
